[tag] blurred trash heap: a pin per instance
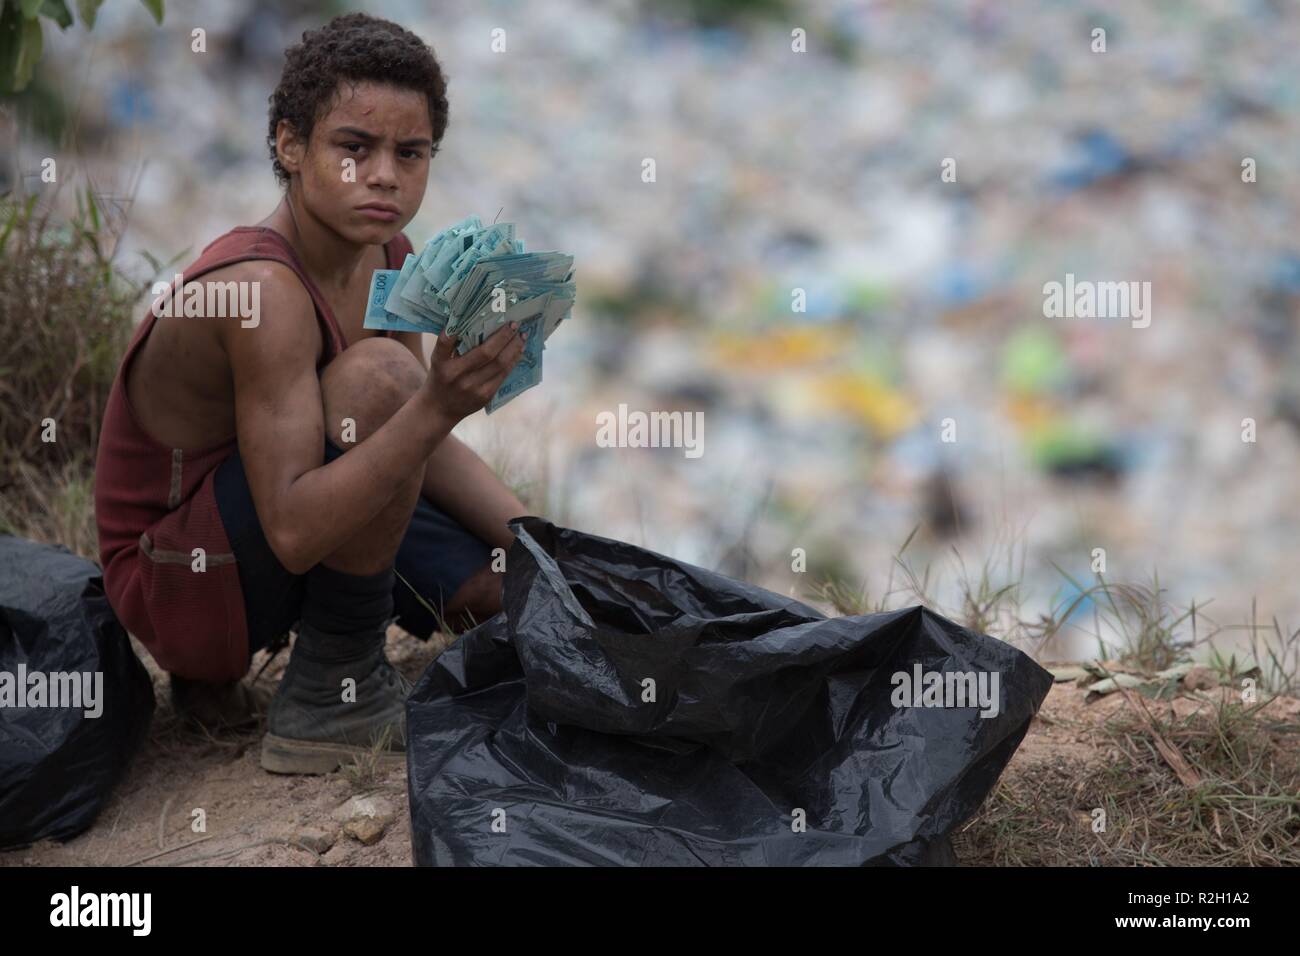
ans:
(821, 172)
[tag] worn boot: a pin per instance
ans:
(339, 698)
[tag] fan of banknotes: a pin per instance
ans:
(471, 279)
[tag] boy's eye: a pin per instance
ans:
(353, 147)
(411, 154)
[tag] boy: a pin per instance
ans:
(258, 470)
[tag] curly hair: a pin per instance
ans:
(353, 47)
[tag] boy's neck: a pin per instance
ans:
(329, 259)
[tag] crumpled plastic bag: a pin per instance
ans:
(57, 765)
(772, 736)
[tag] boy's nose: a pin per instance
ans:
(383, 172)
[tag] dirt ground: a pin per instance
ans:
(254, 818)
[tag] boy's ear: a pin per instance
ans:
(289, 147)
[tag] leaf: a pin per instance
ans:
(1177, 672)
(88, 10)
(155, 7)
(11, 43)
(9, 227)
(1067, 673)
(1096, 670)
(57, 10)
(29, 53)
(30, 8)
(1113, 683)
(94, 210)
(1160, 689)
(160, 265)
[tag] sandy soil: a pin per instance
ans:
(254, 818)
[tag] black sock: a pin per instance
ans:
(338, 603)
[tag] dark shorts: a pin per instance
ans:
(436, 557)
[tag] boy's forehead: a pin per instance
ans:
(378, 108)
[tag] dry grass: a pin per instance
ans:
(1244, 812)
(367, 769)
(53, 506)
(1245, 808)
(1134, 623)
(66, 315)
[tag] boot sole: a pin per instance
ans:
(285, 755)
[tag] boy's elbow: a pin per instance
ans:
(287, 546)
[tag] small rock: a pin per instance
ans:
(338, 853)
(365, 808)
(1200, 678)
(365, 830)
(365, 818)
(315, 838)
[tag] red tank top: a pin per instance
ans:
(154, 504)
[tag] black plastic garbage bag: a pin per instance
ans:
(774, 735)
(57, 632)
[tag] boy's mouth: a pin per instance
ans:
(383, 211)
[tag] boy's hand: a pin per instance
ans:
(460, 385)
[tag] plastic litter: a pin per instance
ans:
(535, 739)
(58, 765)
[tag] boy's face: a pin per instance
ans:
(364, 170)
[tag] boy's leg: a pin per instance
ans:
(446, 581)
(339, 695)
(272, 605)
(478, 599)
(367, 384)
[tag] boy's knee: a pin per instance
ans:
(365, 386)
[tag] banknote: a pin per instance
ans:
(469, 280)
(377, 317)
(527, 372)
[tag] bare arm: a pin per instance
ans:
(459, 482)
(309, 510)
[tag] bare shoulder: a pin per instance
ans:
(275, 312)
(267, 281)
